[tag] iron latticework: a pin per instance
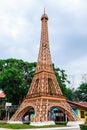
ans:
(44, 91)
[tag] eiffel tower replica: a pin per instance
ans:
(44, 92)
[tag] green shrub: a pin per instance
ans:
(26, 122)
(85, 113)
(61, 123)
(83, 126)
(85, 117)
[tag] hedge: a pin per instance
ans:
(83, 126)
(61, 123)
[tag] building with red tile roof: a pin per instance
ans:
(2, 95)
(79, 108)
(2, 104)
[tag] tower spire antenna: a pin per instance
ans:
(44, 10)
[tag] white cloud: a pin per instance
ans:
(78, 66)
(20, 31)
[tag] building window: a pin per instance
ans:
(82, 114)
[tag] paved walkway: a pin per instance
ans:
(61, 128)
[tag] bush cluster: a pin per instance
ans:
(83, 126)
(61, 123)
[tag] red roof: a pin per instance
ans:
(78, 104)
(84, 104)
(2, 95)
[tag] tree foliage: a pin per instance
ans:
(70, 94)
(15, 78)
(62, 79)
(81, 92)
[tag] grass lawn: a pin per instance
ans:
(25, 126)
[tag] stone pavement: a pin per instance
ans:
(61, 128)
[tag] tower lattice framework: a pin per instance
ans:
(44, 92)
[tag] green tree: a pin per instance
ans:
(70, 94)
(15, 78)
(81, 92)
(62, 79)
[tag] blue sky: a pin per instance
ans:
(20, 32)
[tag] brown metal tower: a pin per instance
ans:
(44, 92)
